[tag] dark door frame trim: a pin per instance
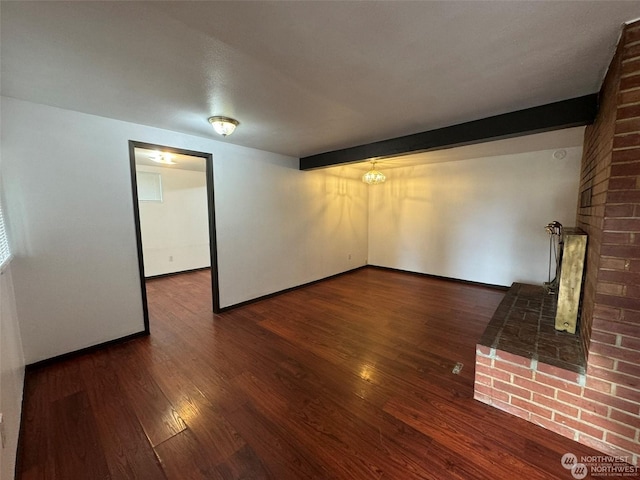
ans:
(213, 248)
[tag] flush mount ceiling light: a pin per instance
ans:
(373, 176)
(223, 125)
(162, 157)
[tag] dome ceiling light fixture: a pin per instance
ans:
(373, 176)
(223, 125)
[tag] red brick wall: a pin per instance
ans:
(594, 182)
(602, 408)
(581, 407)
(613, 283)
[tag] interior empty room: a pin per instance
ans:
(287, 240)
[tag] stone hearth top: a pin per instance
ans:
(523, 324)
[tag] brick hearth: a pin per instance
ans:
(534, 374)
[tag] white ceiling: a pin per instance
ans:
(306, 77)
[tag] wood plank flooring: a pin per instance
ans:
(350, 378)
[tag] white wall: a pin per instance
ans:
(69, 204)
(480, 219)
(11, 374)
(323, 211)
(175, 232)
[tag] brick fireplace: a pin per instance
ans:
(585, 387)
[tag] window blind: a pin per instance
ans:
(5, 253)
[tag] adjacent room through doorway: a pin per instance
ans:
(174, 215)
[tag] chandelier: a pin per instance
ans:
(373, 176)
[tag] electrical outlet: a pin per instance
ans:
(171, 258)
(349, 256)
(2, 436)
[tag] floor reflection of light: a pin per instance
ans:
(188, 409)
(366, 372)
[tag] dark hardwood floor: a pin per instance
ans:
(350, 378)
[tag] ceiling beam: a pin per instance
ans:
(574, 112)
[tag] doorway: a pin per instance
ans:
(161, 177)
